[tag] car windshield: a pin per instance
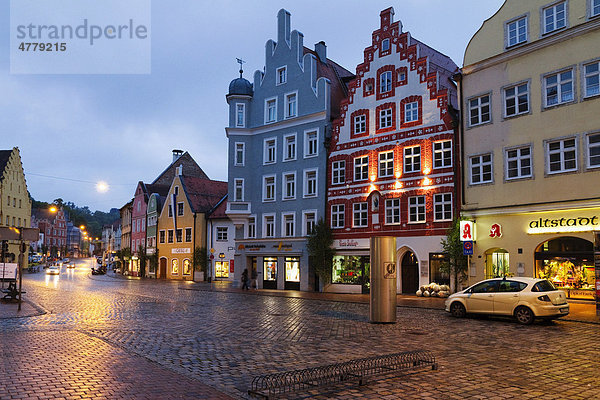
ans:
(543, 286)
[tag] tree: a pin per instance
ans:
(456, 263)
(201, 259)
(125, 257)
(320, 251)
(142, 258)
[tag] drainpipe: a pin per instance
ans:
(194, 245)
(458, 77)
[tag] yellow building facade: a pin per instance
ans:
(531, 142)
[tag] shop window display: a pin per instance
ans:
(292, 269)
(270, 264)
(353, 270)
(222, 269)
(496, 264)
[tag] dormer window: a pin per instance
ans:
(385, 45)
(281, 75)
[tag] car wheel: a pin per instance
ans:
(524, 315)
(457, 310)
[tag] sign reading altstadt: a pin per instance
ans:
(564, 224)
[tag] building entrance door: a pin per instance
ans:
(410, 273)
(163, 269)
(270, 273)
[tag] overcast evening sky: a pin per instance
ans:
(74, 130)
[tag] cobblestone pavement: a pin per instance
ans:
(155, 339)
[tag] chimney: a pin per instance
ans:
(283, 26)
(177, 154)
(321, 50)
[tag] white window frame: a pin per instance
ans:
(338, 216)
(393, 211)
(279, 81)
(285, 195)
(362, 209)
(305, 215)
(481, 165)
(306, 192)
(240, 147)
(286, 145)
(441, 150)
(236, 186)
(284, 230)
(360, 166)
(267, 101)
(554, 7)
(559, 90)
(516, 97)
(251, 230)
(267, 148)
(237, 115)
(385, 82)
(338, 172)
(265, 189)
(384, 164)
(307, 143)
(386, 118)
(360, 124)
(479, 107)
(286, 99)
(412, 160)
(590, 147)
(220, 236)
(440, 200)
(518, 159)
(515, 26)
(264, 225)
(594, 8)
(562, 152)
(411, 109)
(585, 75)
(417, 208)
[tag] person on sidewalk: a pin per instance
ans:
(253, 276)
(245, 279)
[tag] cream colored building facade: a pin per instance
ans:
(15, 205)
(531, 142)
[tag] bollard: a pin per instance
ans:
(383, 280)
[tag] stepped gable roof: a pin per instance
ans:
(190, 168)
(203, 194)
(219, 211)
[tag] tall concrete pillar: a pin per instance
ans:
(383, 280)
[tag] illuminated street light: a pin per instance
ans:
(53, 209)
(82, 227)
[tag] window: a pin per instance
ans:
(386, 164)
(518, 163)
(412, 159)
(179, 235)
(337, 215)
(222, 233)
(240, 115)
(593, 143)
(179, 210)
(288, 224)
(442, 154)
(310, 183)
(240, 154)
(238, 187)
(289, 186)
(170, 216)
(385, 118)
(591, 79)
(188, 235)
(361, 168)
(595, 8)
(360, 215)
(291, 104)
(516, 100)
(562, 156)
(559, 88)
(416, 209)
(479, 110)
(170, 236)
(269, 226)
(385, 45)
(411, 112)
(281, 75)
(554, 17)
(187, 267)
(516, 32)
(270, 110)
(310, 219)
(175, 266)
(251, 227)
(289, 147)
(385, 82)
(360, 124)
(392, 211)
(311, 144)
(338, 172)
(269, 188)
(270, 151)
(442, 207)
(481, 169)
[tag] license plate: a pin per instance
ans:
(564, 310)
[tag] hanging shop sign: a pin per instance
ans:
(580, 223)
(467, 231)
(496, 231)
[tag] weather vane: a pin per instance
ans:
(241, 62)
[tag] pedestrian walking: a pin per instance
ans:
(253, 279)
(245, 279)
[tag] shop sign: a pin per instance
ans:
(351, 243)
(181, 250)
(231, 266)
(560, 225)
(496, 231)
(389, 270)
(251, 247)
(283, 246)
(467, 231)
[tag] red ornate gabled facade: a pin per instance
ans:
(391, 162)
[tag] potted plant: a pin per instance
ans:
(200, 263)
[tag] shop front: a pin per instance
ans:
(555, 245)
(351, 267)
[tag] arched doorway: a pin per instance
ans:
(496, 263)
(410, 273)
(163, 269)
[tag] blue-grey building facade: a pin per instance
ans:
(278, 130)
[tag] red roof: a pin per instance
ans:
(219, 212)
(203, 194)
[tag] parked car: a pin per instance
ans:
(53, 270)
(525, 299)
(66, 260)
